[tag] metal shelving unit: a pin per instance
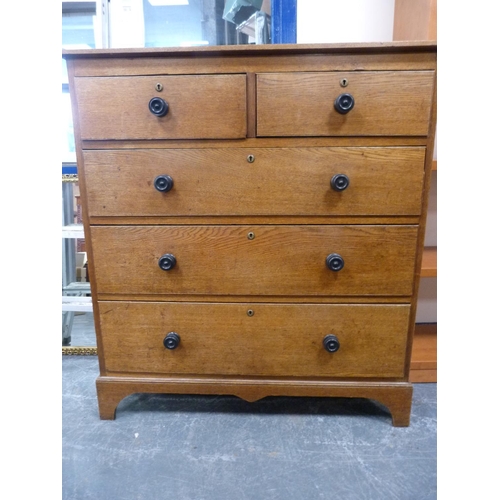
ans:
(74, 293)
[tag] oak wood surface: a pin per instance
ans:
(261, 142)
(255, 64)
(281, 260)
(295, 299)
(251, 105)
(417, 20)
(386, 103)
(255, 219)
(278, 340)
(431, 134)
(277, 270)
(285, 181)
(260, 50)
(396, 396)
(429, 262)
(85, 219)
(251, 59)
(117, 107)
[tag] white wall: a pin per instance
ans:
(343, 21)
(350, 21)
(126, 19)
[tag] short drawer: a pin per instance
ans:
(199, 107)
(275, 340)
(241, 181)
(385, 103)
(267, 260)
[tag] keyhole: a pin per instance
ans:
(344, 82)
(159, 87)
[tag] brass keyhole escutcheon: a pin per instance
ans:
(344, 82)
(250, 312)
(251, 235)
(159, 87)
(250, 158)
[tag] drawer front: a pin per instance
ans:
(200, 107)
(277, 340)
(288, 181)
(255, 260)
(385, 103)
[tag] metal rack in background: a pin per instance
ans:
(75, 294)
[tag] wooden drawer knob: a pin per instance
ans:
(344, 103)
(334, 262)
(339, 182)
(167, 262)
(163, 183)
(331, 343)
(158, 106)
(171, 341)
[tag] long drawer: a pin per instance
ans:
(394, 103)
(274, 340)
(257, 181)
(199, 107)
(255, 260)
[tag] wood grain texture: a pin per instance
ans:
(431, 134)
(396, 396)
(285, 181)
(251, 105)
(414, 20)
(255, 219)
(82, 185)
(229, 64)
(281, 50)
(261, 142)
(277, 299)
(276, 112)
(278, 340)
(386, 103)
(252, 59)
(281, 260)
(117, 107)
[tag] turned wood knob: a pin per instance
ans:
(334, 262)
(158, 106)
(331, 343)
(167, 262)
(171, 341)
(163, 183)
(344, 103)
(339, 182)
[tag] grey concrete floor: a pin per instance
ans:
(206, 447)
(83, 331)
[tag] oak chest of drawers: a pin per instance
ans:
(255, 217)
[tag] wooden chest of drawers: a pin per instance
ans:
(255, 217)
